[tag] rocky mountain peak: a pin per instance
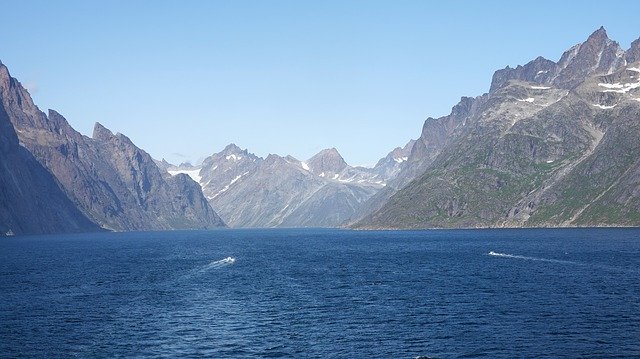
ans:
(389, 166)
(232, 148)
(598, 35)
(633, 54)
(327, 161)
(231, 153)
(101, 133)
(597, 55)
(539, 70)
(4, 75)
(598, 41)
(273, 158)
(291, 159)
(55, 122)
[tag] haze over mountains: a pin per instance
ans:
(250, 191)
(550, 144)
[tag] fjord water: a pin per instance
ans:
(322, 293)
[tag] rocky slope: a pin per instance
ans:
(324, 191)
(31, 201)
(551, 144)
(111, 181)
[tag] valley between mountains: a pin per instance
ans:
(551, 144)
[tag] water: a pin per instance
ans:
(322, 293)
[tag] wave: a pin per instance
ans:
(515, 256)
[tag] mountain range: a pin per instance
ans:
(250, 191)
(104, 181)
(551, 144)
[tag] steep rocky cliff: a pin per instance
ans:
(31, 201)
(111, 181)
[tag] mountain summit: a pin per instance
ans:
(551, 144)
(326, 163)
(597, 55)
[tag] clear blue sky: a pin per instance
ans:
(183, 79)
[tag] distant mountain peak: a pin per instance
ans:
(328, 153)
(598, 41)
(600, 34)
(596, 55)
(327, 161)
(232, 147)
(274, 158)
(633, 54)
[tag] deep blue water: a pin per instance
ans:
(322, 293)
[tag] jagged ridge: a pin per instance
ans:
(549, 145)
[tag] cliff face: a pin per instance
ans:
(111, 181)
(31, 201)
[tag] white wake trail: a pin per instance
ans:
(219, 264)
(559, 261)
(515, 256)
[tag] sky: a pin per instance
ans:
(183, 79)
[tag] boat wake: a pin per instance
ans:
(515, 256)
(559, 261)
(219, 264)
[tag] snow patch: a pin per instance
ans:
(540, 87)
(350, 179)
(336, 176)
(603, 106)
(541, 72)
(618, 87)
(549, 161)
(530, 99)
(401, 159)
(305, 166)
(194, 174)
(634, 69)
(226, 188)
(234, 157)
(322, 174)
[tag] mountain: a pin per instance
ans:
(110, 180)
(31, 201)
(326, 163)
(222, 170)
(597, 55)
(393, 163)
(551, 144)
(250, 191)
